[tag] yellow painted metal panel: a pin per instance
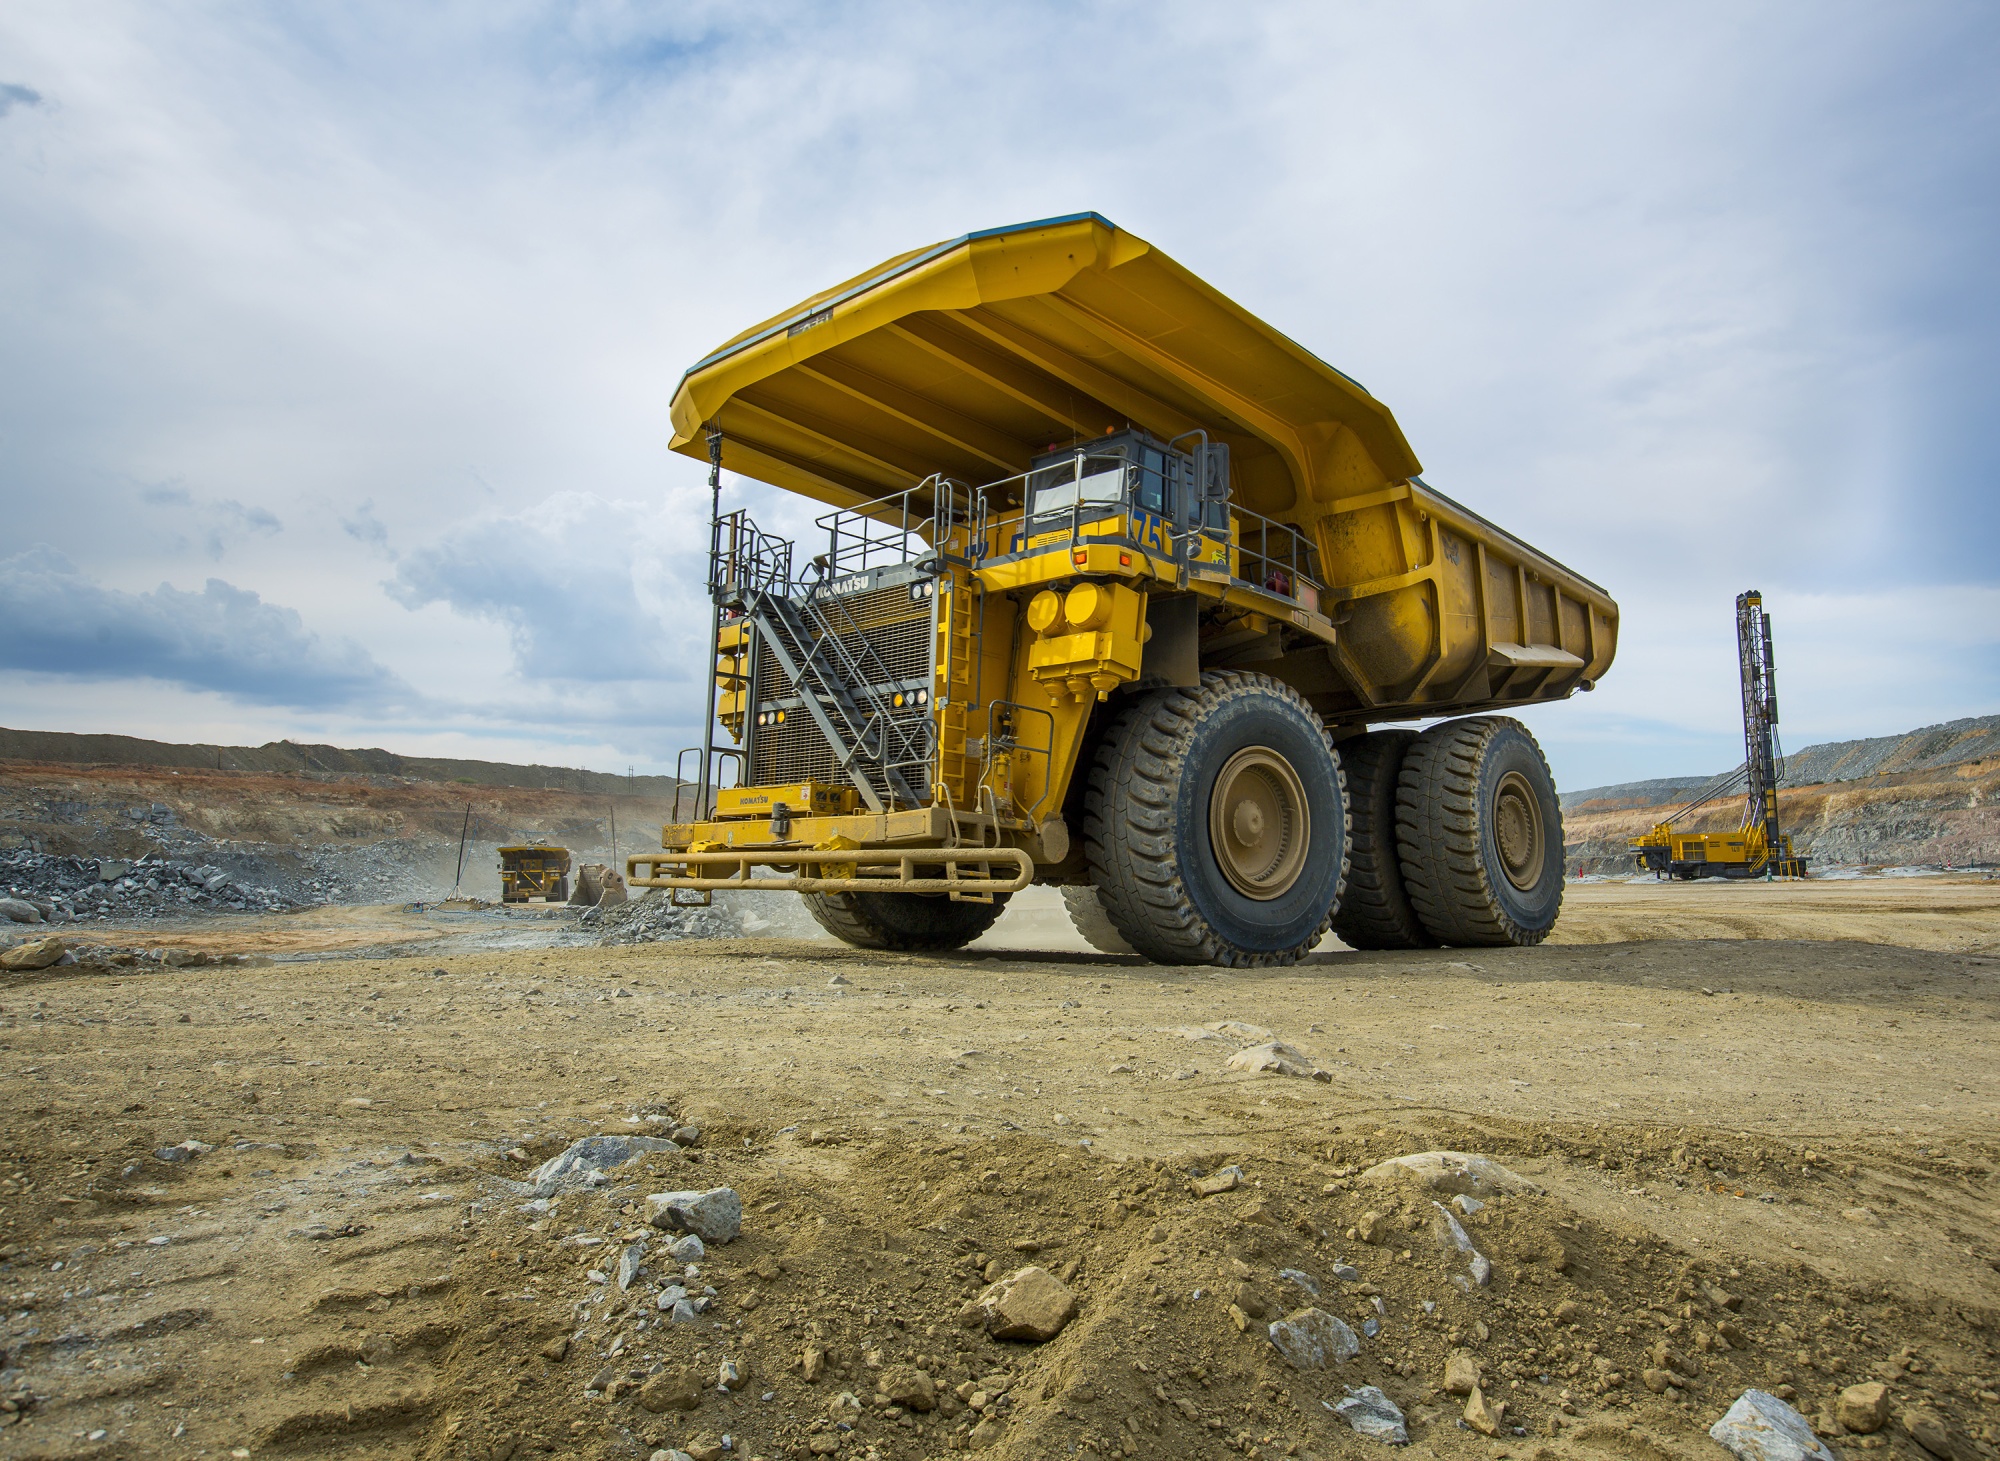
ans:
(971, 357)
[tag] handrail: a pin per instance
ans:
(1284, 572)
(721, 754)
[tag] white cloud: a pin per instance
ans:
(1692, 298)
(225, 639)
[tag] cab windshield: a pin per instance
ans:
(1091, 481)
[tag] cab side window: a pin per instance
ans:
(1152, 490)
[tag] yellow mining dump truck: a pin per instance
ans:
(533, 870)
(1116, 580)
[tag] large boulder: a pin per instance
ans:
(1030, 1303)
(579, 1159)
(1761, 1427)
(1311, 1339)
(34, 954)
(1448, 1172)
(714, 1216)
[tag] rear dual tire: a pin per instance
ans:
(1479, 834)
(1376, 912)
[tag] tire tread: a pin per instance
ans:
(1438, 835)
(1129, 804)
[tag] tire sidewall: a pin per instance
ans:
(1295, 917)
(1535, 910)
(927, 915)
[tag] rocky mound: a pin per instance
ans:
(71, 889)
(903, 1299)
(655, 919)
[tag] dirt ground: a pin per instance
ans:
(1763, 1122)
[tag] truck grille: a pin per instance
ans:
(892, 638)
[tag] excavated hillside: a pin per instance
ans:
(315, 836)
(1922, 799)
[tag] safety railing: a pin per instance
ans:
(939, 517)
(1007, 723)
(1276, 557)
(978, 872)
(721, 757)
(743, 557)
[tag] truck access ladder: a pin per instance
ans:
(824, 661)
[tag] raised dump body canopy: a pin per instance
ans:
(973, 358)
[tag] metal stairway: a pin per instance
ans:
(819, 661)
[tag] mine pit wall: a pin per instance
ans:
(1947, 816)
(360, 837)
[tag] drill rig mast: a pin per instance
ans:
(1759, 848)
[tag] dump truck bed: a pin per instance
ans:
(973, 357)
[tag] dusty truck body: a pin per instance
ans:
(1114, 582)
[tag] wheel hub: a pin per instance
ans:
(1259, 824)
(1517, 830)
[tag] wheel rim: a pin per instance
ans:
(1258, 823)
(1517, 830)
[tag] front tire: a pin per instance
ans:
(903, 923)
(1479, 834)
(1216, 823)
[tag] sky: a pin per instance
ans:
(337, 341)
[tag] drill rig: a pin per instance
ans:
(1758, 848)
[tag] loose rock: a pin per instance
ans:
(1461, 1373)
(577, 1161)
(35, 954)
(1864, 1408)
(714, 1216)
(909, 1387)
(629, 1264)
(1933, 1430)
(1217, 1183)
(1311, 1338)
(1030, 1303)
(1488, 1417)
(184, 1151)
(1374, 1415)
(675, 1389)
(1761, 1427)
(1448, 1231)
(1278, 1058)
(1449, 1172)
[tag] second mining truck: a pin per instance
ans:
(1115, 582)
